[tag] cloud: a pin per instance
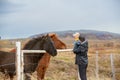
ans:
(9, 7)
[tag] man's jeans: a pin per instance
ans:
(82, 71)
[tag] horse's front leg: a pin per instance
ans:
(27, 76)
(41, 72)
(11, 76)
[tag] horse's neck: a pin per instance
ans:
(33, 44)
(44, 60)
(46, 55)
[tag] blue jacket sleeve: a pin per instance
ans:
(76, 45)
(82, 48)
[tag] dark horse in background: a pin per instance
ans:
(44, 62)
(7, 59)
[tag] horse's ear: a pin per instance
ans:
(52, 35)
(47, 34)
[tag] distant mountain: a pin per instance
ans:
(89, 34)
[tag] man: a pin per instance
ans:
(81, 50)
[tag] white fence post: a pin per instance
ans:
(22, 65)
(97, 66)
(18, 61)
(112, 66)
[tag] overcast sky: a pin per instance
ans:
(23, 18)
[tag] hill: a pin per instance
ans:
(89, 34)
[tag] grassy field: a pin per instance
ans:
(62, 66)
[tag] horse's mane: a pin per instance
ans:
(32, 42)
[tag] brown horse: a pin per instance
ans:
(44, 62)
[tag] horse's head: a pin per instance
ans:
(58, 43)
(48, 45)
(42, 43)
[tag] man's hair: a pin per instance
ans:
(81, 38)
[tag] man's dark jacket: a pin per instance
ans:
(81, 49)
